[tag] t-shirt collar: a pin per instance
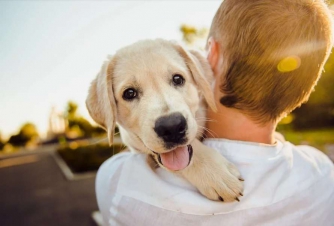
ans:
(244, 149)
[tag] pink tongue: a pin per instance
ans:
(177, 159)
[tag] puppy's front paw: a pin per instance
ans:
(221, 182)
(213, 175)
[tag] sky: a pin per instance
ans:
(50, 51)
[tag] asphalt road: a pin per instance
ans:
(33, 191)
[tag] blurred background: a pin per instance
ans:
(50, 148)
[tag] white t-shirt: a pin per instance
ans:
(284, 185)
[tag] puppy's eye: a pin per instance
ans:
(129, 94)
(178, 80)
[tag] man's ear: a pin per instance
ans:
(213, 54)
(100, 101)
(201, 72)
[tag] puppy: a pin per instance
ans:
(157, 93)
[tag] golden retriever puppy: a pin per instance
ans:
(157, 92)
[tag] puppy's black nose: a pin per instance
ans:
(171, 128)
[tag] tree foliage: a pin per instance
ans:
(71, 110)
(79, 125)
(193, 36)
(318, 112)
(27, 133)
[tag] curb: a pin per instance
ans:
(67, 172)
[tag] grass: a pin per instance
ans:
(316, 138)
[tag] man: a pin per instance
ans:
(266, 55)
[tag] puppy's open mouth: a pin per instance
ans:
(176, 159)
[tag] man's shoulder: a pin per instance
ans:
(111, 178)
(114, 165)
(117, 160)
(306, 169)
(312, 156)
(307, 152)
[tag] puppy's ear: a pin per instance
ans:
(201, 72)
(101, 102)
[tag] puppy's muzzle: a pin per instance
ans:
(172, 129)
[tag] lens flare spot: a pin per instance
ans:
(74, 145)
(289, 63)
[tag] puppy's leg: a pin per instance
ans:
(213, 175)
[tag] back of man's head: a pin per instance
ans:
(273, 52)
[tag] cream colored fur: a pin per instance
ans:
(149, 66)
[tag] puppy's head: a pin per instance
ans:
(153, 90)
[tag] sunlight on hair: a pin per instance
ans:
(289, 63)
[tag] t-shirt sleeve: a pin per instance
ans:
(103, 186)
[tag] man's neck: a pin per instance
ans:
(231, 124)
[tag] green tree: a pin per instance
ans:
(318, 112)
(71, 110)
(194, 36)
(79, 125)
(324, 90)
(27, 133)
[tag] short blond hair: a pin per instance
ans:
(256, 37)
